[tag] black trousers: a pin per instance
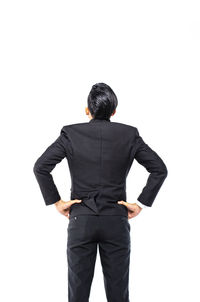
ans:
(112, 235)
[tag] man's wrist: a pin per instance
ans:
(141, 205)
(57, 202)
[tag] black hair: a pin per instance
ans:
(102, 101)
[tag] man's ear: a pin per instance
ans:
(87, 111)
(113, 112)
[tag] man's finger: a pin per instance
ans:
(122, 202)
(69, 203)
(64, 213)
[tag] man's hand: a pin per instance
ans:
(133, 208)
(64, 206)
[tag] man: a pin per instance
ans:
(99, 154)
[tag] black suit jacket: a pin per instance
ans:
(99, 155)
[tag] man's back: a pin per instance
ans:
(99, 154)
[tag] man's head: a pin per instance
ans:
(102, 101)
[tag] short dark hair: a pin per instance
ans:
(102, 101)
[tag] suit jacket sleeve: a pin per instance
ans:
(154, 165)
(45, 164)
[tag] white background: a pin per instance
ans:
(52, 52)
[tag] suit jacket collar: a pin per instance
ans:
(96, 120)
